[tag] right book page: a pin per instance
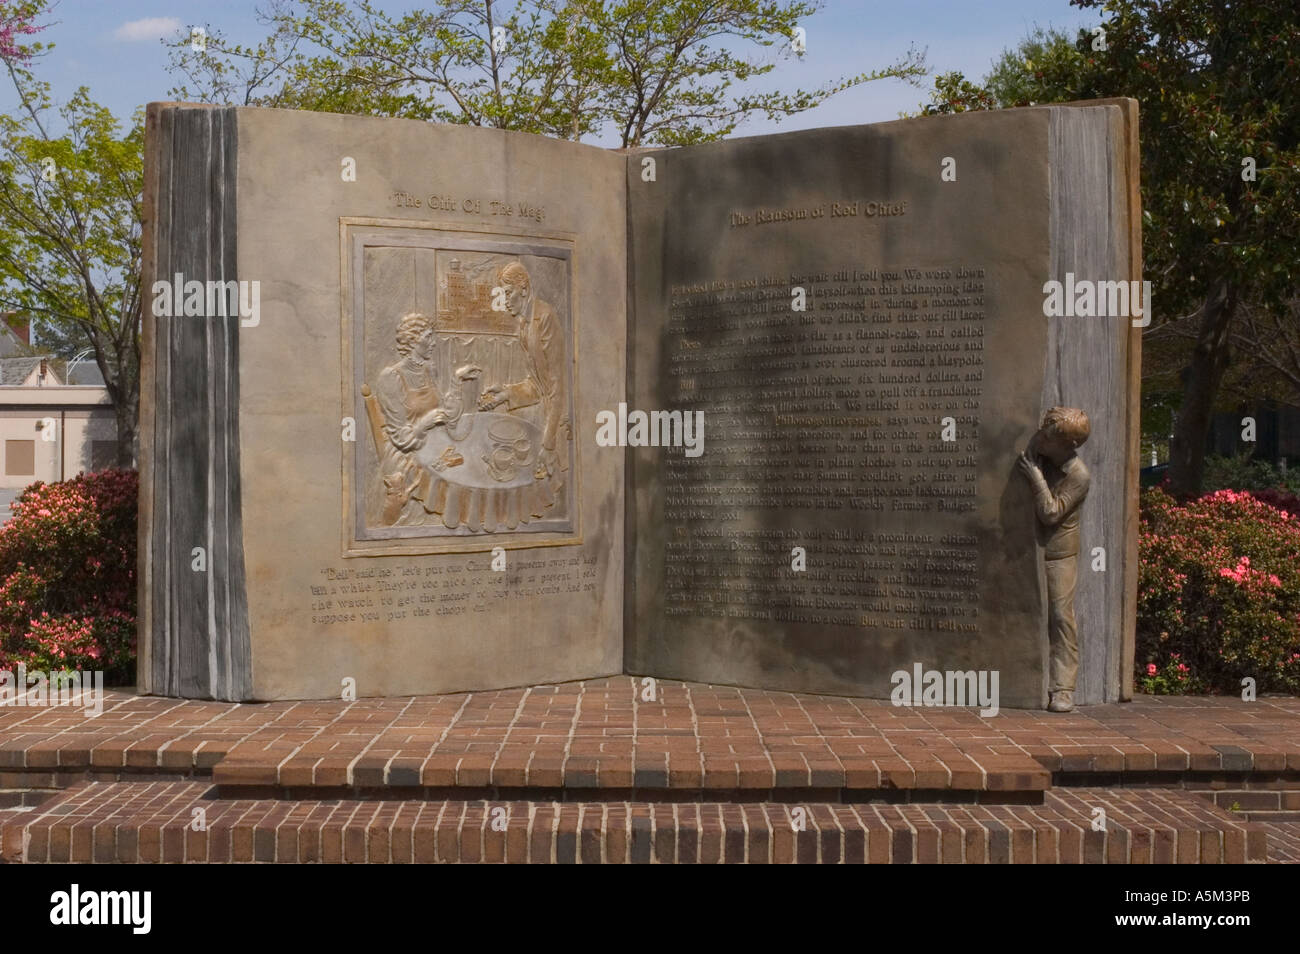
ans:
(858, 314)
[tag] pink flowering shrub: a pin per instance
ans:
(1281, 499)
(1173, 678)
(1218, 595)
(68, 576)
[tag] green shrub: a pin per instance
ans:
(1244, 472)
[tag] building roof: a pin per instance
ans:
(20, 370)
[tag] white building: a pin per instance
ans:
(50, 430)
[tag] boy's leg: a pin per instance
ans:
(1063, 637)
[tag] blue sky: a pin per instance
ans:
(113, 47)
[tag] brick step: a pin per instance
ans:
(305, 773)
(1286, 817)
(23, 798)
(1256, 800)
(155, 822)
(309, 771)
(470, 793)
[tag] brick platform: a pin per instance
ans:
(704, 754)
(598, 733)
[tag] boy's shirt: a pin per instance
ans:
(1057, 504)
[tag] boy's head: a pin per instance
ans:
(1063, 430)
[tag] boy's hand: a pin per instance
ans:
(1027, 466)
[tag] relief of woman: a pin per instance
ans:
(412, 404)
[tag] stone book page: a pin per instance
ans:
(376, 476)
(858, 313)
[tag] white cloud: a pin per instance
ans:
(150, 28)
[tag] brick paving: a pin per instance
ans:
(155, 822)
(599, 734)
(589, 771)
(1283, 842)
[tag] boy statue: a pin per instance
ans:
(1059, 482)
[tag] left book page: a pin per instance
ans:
(368, 348)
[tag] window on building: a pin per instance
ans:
(103, 454)
(20, 458)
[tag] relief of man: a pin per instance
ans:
(1060, 482)
(542, 339)
(408, 397)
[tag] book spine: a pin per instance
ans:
(1089, 364)
(194, 631)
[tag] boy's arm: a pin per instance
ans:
(1052, 508)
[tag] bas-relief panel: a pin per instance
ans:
(462, 361)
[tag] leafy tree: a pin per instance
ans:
(1269, 340)
(70, 194)
(1044, 66)
(64, 340)
(1220, 129)
(670, 83)
(1217, 83)
(953, 93)
(656, 71)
